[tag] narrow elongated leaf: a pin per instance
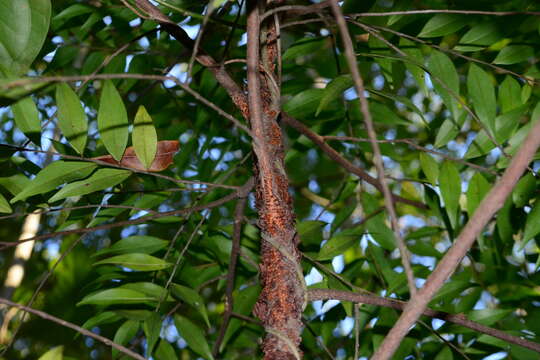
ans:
(450, 185)
(23, 29)
(514, 54)
(54, 175)
(524, 190)
(479, 37)
(124, 334)
(144, 137)
(478, 188)
(152, 327)
(482, 93)
(442, 24)
(339, 243)
(100, 180)
(416, 71)
(27, 119)
(443, 71)
(138, 243)
(194, 336)
(112, 121)
(71, 117)
(116, 296)
(4, 205)
(136, 261)
(191, 297)
(165, 351)
(334, 90)
(156, 291)
(430, 168)
(532, 226)
(509, 94)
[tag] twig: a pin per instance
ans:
(77, 328)
(235, 250)
(377, 157)
(485, 211)
(459, 319)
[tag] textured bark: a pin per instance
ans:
(280, 304)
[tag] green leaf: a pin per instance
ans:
(156, 291)
(376, 225)
(442, 70)
(445, 354)
(194, 336)
(152, 328)
(137, 243)
(125, 332)
(304, 104)
(115, 296)
(112, 121)
(165, 351)
(482, 93)
(4, 205)
(144, 137)
(100, 180)
(450, 185)
(448, 131)
(105, 317)
(54, 175)
(416, 71)
(442, 24)
(191, 297)
(56, 353)
(340, 242)
(479, 37)
(524, 190)
(509, 94)
(333, 90)
(478, 188)
(304, 47)
(532, 226)
(27, 120)
(514, 54)
(23, 28)
(430, 167)
(136, 261)
(488, 317)
(71, 117)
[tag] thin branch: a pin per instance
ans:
(242, 190)
(483, 214)
(346, 164)
(77, 328)
(459, 319)
(377, 156)
(235, 251)
(418, 147)
(446, 11)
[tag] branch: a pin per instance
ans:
(459, 319)
(242, 190)
(493, 201)
(77, 328)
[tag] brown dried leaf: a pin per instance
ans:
(164, 157)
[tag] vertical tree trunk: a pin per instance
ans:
(282, 299)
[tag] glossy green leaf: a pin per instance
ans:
(156, 291)
(55, 353)
(509, 94)
(23, 28)
(152, 328)
(430, 167)
(376, 225)
(304, 47)
(479, 37)
(304, 104)
(194, 336)
(4, 205)
(124, 334)
(482, 93)
(100, 180)
(165, 351)
(137, 243)
(477, 190)
(450, 185)
(144, 137)
(334, 90)
(112, 121)
(71, 117)
(105, 317)
(524, 190)
(442, 24)
(54, 175)
(136, 261)
(513, 54)
(27, 119)
(444, 72)
(115, 296)
(340, 242)
(191, 297)
(488, 316)
(448, 131)
(532, 226)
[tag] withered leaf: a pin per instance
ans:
(164, 157)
